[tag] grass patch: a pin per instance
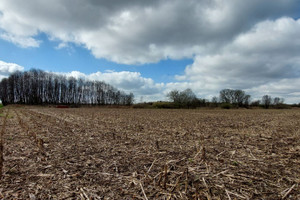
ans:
(1, 113)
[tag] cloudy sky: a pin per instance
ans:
(151, 47)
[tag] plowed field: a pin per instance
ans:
(102, 153)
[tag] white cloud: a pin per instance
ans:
(21, 41)
(271, 36)
(62, 45)
(2, 77)
(263, 60)
(285, 88)
(8, 68)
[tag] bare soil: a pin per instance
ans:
(102, 153)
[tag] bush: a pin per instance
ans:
(165, 105)
(143, 105)
(282, 106)
(1, 105)
(296, 105)
(226, 106)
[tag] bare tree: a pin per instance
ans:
(277, 101)
(214, 101)
(266, 101)
(238, 98)
(39, 87)
(226, 96)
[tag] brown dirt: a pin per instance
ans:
(101, 153)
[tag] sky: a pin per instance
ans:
(152, 47)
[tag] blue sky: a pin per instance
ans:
(152, 47)
(77, 58)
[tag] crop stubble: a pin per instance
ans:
(101, 153)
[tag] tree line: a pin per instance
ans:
(228, 98)
(40, 87)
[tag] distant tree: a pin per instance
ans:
(186, 98)
(174, 96)
(277, 101)
(4, 91)
(255, 103)
(214, 101)
(266, 101)
(246, 101)
(226, 96)
(129, 99)
(141, 99)
(238, 98)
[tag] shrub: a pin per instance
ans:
(142, 105)
(226, 106)
(165, 105)
(282, 106)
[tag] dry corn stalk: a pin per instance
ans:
(165, 177)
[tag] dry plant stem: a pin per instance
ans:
(203, 179)
(165, 177)
(176, 184)
(203, 155)
(228, 195)
(160, 178)
(208, 196)
(151, 166)
(84, 194)
(186, 180)
(240, 196)
(143, 191)
(289, 191)
(157, 144)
